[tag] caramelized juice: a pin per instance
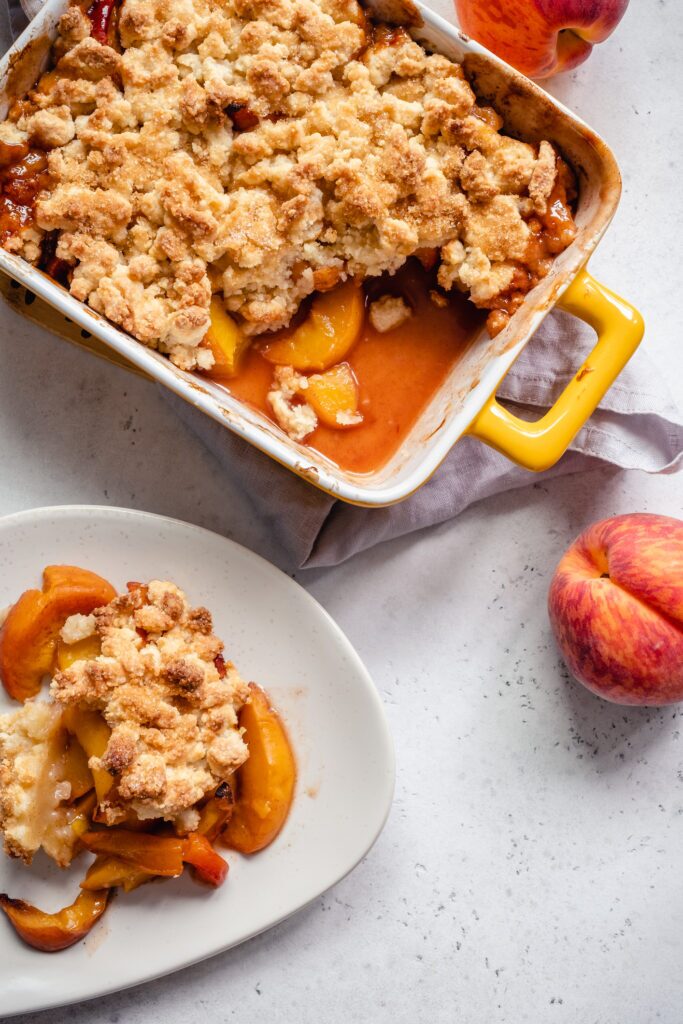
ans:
(22, 176)
(398, 372)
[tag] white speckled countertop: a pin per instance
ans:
(530, 868)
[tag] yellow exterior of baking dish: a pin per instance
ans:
(538, 445)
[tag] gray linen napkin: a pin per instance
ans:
(636, 427)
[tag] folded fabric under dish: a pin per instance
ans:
(636, 427)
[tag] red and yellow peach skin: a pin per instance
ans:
(616, 608)
(540, 37)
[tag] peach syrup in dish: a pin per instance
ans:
(397, 371)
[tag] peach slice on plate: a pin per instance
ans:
(159, 855)
(74, 768)
(326, 335)
(112, 873)
(216, 812)
(52, 932)
(28, 638)
(92, 732)
(81, 650)
(265, 780)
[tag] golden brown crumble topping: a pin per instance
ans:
(264, 149)
(169, 700)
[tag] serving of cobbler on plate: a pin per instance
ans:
(261, 189)
(150, 749)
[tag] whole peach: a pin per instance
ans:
(616, 608)
(540, 37)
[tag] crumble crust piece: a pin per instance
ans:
(173, 716)
(294, 415)
(389, 312)
(32, 786)
(257, 147)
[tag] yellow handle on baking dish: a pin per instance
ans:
(538, 445)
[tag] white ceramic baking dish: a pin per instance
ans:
(465, 403)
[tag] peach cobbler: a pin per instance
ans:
(150, 749)
(225, 178)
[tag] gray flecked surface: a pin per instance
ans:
(529, 869)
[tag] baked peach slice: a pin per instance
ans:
(28, 638)
(52, 932)
(265, 782)
(327, 334)
(159, 855)
(82, 812)
(207, 865)
(216, 812)
(82, 650)
(226, 340)
(333, 395)
(92, 733)
(113, 873)
(74, 769)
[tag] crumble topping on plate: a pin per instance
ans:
(32, 783)
(168, 703)
(264, 149)
(172, 714)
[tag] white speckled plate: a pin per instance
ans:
(282, 638)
